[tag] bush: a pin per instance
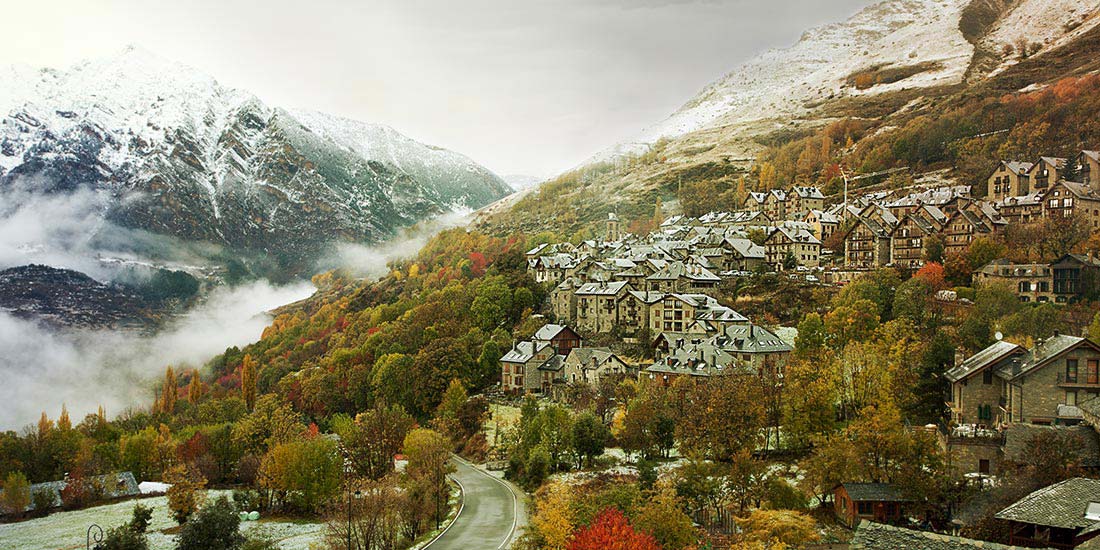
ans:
(214, 527)
(123, 538)
(247, 499)
(139, 523)
(783, 496)
(43, 501)
(17, 494)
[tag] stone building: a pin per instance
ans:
(590, 365)
(1010, 179)
(1007, 382)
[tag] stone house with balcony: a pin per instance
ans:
(1044, 173)
(789, 242)
(1010, 179)
(1069, 199)
(775, 204)
(909, 238)
(1088, 168)
(967, 224)
(1021, 209)
(1008, 383)
(742, 254)
(867, 243)
(755, 201)
(597, 306)
(519, 367)
(1065, 280)
(1030, 282)
(1074, 276)
(682, 277)
(801, 200)
(590, 365)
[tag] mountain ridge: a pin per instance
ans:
(184, 156)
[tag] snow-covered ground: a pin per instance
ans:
(779, 83)
(1050, 23)
(69, 529)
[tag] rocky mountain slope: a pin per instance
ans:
(62, 297)
(895, 45)
(891, 62)
(182, 155)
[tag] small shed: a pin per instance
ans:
(878, 502)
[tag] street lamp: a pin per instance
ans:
(96, 537)
(358, 494)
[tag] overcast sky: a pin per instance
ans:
(522, 86)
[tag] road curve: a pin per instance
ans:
(491, 515)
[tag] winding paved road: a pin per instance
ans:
(491, 516)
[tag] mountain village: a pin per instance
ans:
(659, 291)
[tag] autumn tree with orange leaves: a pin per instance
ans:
(612, 531)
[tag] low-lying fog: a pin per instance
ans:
(41, 368)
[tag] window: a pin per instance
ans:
(987, 376)
(1071, 370)
(1071, 398)
(1093, 376)
(865, 508)
(983, 466)
(985, 412)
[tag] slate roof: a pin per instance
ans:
(1031, 199)
(116, 485)
(1018, 434)
(1080, 190)
(981, 359)
(1057, 162)
(1090, 407)
(585, 355)
(796, 235)
(825, 217)
(875, 492)
(676, 270)
(549, 332)
(601, 289)
(523, 352)
(1017, 167)
(701, 359)
(1037, 356)
(1060, 505)
(553, 364)
(746, 248)
(807, 192)
(876, 536)
(749, 338)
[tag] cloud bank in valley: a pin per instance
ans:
(370, 261)
(43, 368)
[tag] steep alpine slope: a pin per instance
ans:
(891, 63)
(184, 156)
(917, 43)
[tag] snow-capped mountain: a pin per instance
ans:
(912, 43)
(184, 156)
